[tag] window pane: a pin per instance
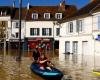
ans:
(75, 47)
(57, 31)
(47, 15)
(34, 31)
(79, 27)
(46, 31)
(58, 16)
(34, 16)
(16, 35)
(67, 46)
(70, 27)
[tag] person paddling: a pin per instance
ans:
(36, 55)
(44, 62)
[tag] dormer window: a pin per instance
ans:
(34, 16)
(1, 13)
(58, 15)
(46, 15)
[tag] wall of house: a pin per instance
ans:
(38, 24)
(96, 32)
(80, 37)
(8, 28)
(41, 24)
(16, 30)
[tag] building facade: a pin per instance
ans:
(80, 34)
(38, 24)
(41, 23)
(5, 25)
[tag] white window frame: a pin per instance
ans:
(58, 15)
(34, 16)
(46, 15)
(79, 27)
(98, 22)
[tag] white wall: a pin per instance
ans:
(85, 35)
(16, 30)
(41, 24)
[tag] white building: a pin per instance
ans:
(37, 22)
(41, 22)
(80, 32)
(5, 24)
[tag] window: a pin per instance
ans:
(34, 16)
(79, 27)
(3, 13)
(58, 15)
(16, 24)
(57, 31)
(34, 31)
(47, 15)
(99, 22)
(17, 35)
(85, 47)
(46, 31)
(67, 46)
(75, 46)
(70, 27)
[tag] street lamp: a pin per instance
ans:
(20, 14)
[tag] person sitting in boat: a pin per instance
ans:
(44, 63)
(36, 55)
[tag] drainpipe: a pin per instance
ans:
(53, 39)
(94, 41)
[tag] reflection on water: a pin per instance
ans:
(75, 67)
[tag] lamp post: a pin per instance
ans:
(20, 14)
(53, 38)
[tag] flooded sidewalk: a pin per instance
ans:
(72, 68)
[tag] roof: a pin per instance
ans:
(16, 14)
(9, 11)
(5, 8)
(85, 11)
(27, 14)
(69, 9)
(96, 9)
(66, 11)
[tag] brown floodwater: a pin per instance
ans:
(74, 67)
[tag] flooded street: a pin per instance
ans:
(73, 67)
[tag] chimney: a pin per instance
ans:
(13, 3)
(28, 5)
(62, 5)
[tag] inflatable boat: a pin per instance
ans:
(55, 74)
